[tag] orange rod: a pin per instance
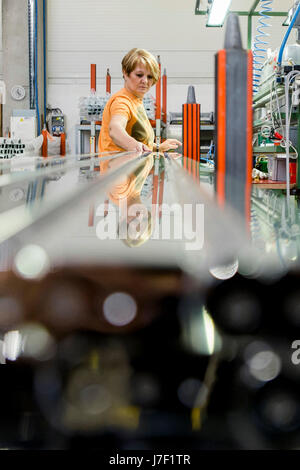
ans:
(221, 134)
(190, 141)
(198, 141)
(185, 136)
(164, 104)
(45, 143)
(63, 144)
(194, 142)
(158, 96)
(93, 77)
(108, 82)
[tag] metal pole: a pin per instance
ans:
(251, 13)
(249, 31)
(31, 26)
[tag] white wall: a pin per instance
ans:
(102, 31)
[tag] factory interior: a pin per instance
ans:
(150, 302)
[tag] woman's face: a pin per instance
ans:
(139, 81)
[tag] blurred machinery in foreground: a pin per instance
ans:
(148, 329)
(105, 345)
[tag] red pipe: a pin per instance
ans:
(158, 93)
(63, 144)
(45, 143)
(93, 77)
(108, 82)
(164, 97)
(221, 126)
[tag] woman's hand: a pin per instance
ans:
(138, 147)
(169, 144)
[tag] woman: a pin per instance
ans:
(125, 125)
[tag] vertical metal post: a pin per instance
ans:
(249, 32)
(31, 28)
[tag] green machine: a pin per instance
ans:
(276, 106)
(277, 94)
(276, 146)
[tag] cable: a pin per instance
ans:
(271, 103)
(36, 68)
(274, 118)
(287, 35)
(278, 109)
(259, 47)
(209, 153)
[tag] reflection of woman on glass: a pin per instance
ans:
(125, 125)
(135, 220)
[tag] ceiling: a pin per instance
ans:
(277, 5)
(246, 5)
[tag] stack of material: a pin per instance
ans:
(11, 147)
(91, 107)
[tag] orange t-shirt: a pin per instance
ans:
(134, 183)
(138, 126)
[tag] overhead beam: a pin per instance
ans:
(247, 13)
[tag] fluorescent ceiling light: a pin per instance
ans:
(218, 12)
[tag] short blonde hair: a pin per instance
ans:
(143, 236)
(135, 56)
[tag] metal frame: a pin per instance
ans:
(249, 13)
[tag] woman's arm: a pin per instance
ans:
(117, 132)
